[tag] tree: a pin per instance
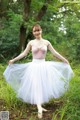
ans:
(60, 21)
(26, 14)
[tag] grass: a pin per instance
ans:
(65, 108)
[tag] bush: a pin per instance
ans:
(9, 34)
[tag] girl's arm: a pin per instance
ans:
(24, 53)
(56, 54)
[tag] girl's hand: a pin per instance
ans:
(10, 62)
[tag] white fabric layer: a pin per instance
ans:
(38, 81)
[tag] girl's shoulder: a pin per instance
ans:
(31, 42)
(46, 42)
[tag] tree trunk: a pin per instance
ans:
(4, 7)
(22, 37)
(41, 12)
(27, 4)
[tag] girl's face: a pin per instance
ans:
(37, 32)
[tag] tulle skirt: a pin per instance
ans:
(38, 81)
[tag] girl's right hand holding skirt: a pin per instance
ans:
(11, 62)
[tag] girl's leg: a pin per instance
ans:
(40, 110)
(39, 107)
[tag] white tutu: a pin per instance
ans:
(38, 81)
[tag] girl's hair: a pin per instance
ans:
(36, 26)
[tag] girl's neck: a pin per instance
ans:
(40, 38)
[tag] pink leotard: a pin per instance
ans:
(39, 52)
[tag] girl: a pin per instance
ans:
(38, 81)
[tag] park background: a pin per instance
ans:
(60, 21)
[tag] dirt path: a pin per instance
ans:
(29, 112)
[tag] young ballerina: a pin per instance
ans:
(38, 81)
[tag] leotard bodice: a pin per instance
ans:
(39, 52)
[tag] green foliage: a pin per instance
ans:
(9, 34)
(73, 37)
(71, 108)
(63, 14)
